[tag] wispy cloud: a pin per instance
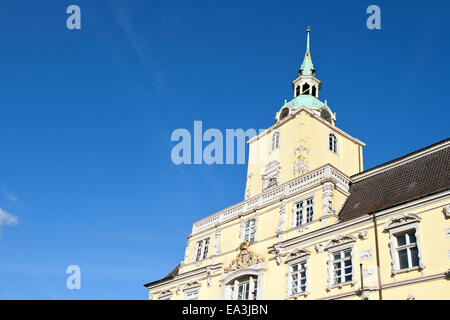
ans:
(7, 218)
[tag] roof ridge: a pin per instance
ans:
(401, 160)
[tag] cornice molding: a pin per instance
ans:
(317, 177)
(197, 273)
(342, 226)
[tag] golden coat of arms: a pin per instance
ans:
(244, 258)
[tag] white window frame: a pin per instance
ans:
(191, 295)
(396, 226)
(230, 281)
(304, 220)
(340, 244)
(335, 146)
(341, 261)
(250, 231)
(407, 246)
(242, 232)
(200, 245)
(275, 140)
(297, 257)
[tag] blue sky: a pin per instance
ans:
(86, 118)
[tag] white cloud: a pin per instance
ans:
(7, 218)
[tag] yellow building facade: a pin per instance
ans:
(315, 225)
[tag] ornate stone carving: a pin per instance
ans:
(363, 234)
(300, 149)
(244, 258)
(327, 198)
(280, 228)
(446, 211)
(208, 276)
(193, 284)
(270, 175)
(248, 190)
(297, 253)
(277, 250)
(319, 247)
(366, 255)
(301, 166)
(401, 219)
(217, 242)
(165, 293)
(339, 240)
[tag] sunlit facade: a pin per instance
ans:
(314, 225)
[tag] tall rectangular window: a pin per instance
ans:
(407, 251)
(304, 212)
(342, 266)
(247, 288)
(309, 210)
(202, 249)
(250, 231)
(298, 278)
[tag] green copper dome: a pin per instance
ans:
(307, 101)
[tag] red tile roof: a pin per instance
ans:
(411, 180)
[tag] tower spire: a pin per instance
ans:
(307, 67)
(308, 30)
(307, 83)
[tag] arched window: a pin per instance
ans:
(297, 91)
(250, 231)
(332, 143)
(314, 91)
(305, 89)
(275, 141)
(243, 288)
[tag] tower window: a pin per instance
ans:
(332, 143)
(297, 91)
(325, 115)
(314, 91)
(305, 89)
(250, 231)
(284, 113)
(275, 141)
